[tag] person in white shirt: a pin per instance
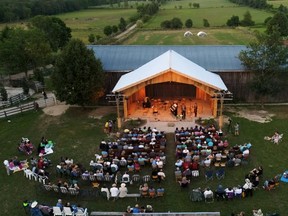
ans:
(114, 191)
(161, 175)
(123, 190)
(208, 193)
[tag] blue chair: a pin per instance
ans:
(220, 174)
(209, 175)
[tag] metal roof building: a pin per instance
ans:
(125, 58)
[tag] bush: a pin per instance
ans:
(176, 23)
(166, 24)
(189, 23)
(206, 23)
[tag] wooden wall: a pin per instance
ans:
(236, 82)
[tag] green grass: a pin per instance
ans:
(203, 4)
(216, 17)
(93, 21)
(239, 36)
(277, 3)
(77, 136)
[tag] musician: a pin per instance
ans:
(174, 109)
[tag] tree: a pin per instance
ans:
(166, 24)
(189, 23)
(233, 21)
(247, 20)
(266, 57)
(114, 29)
(122, 25)
(196, 5)
(91, 38)
(108, 30)
(78, 77)
(56, 31)
(176, 23)
(22, 50)
(206, 23)
(280, 22)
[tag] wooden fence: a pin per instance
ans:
(26, 107)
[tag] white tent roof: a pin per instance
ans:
(170, 60)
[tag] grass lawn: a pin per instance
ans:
(216, 16)
(277, 3)
(93, 21)
(239, 36)
(78, 136)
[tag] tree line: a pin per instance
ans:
(16, 10)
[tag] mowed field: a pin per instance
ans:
(77, 136)
(223, 36)
(93, 21)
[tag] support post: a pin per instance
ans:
(118, 112)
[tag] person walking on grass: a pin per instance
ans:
(236, 129)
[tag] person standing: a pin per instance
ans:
(236, 129)
(195, 109)
(44, 95)
(229, 128)
(183, 113)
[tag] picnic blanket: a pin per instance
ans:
(18, 168)
(47, 151)
(284, 177)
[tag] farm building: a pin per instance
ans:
(172, 72)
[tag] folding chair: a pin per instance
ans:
(209, 175)
(73, 191)
(135, 178)
(146, 178)
(55, 188)
(82, 213)
(220, 174)
(196, 195)
(209, 198)
(64, 190)
(48, 187)
(67, 211)
(57, 211)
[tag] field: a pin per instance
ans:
(93, 21)
(217, 17)
(239, 36)
(277, 3)
(77, 136)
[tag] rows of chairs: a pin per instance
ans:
(63, 190)
(67, 212)
(220, 174)
(34, 176)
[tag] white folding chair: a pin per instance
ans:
(67, 211)
(28, 173)
(57, 211)
(81, 213)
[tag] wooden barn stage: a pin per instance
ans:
(160, 110)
